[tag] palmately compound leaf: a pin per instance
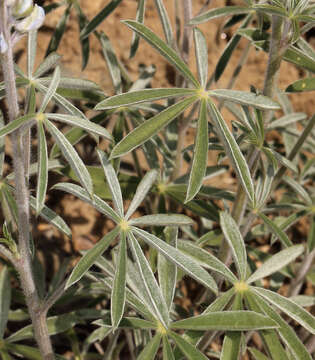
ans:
(141, 96)
(289, 307)
(276, 262)
(199, 165)
(51, 90)
(201, 52)
(246, 98)
(99, 204)
(191, 267)
(218, 12)
(190, 352)
(141, 192)
(151, 348)
(234, 238)
(113, 182)
(162, 220)
(72, 157)
(151, 127)
(118, 295)
(226, 321)
(167, 52)
(5, 299)
(233, 152)
(150, 284)
(79, 122)
(42, 178)
(286, 332)
(91, 257)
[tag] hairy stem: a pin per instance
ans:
(23, 263)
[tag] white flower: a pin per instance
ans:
(22, 8)
(33, 21)
(3, 44)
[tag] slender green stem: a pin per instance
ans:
(23, 263)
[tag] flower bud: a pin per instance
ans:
(3, 44)
(22, 8)
(33, 21)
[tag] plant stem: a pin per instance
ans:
(23, 263)
(298, 280)
(6, 253)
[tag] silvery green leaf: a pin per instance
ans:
(287, 334)
(234, 238)
(113, 182)
(140, 96)
(276, 262)
(118, 295)
(5, 299)
(32, 22)
(290, 308)
(167, 271)
(246, 98)
(151, 286)
(167, 349)
(227, 321)
(15, 124)
(31, 52)
(81, 123)
(50, 61)
(167, 52)
(150, 128)
(99, 204)
(201, 52)
(167, 28)
(282, 160)
(135, 37)
(96, 21)
(199, 164)
(90, 257)
(294, 185)
(303, 300)
(141, 192)
(51, 90)
(112, 62)
(233, 151)
(287, 120)
(55, 324)
(277, 231)
(206, 259)
(218, 12)
(62, 102)
(231, 346)
(42, 178)
(188, 265)
(72, 157)
(190, 351)
(162, 220)
(59, 31)
(151, 348)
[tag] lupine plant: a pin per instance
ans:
(124, 297)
